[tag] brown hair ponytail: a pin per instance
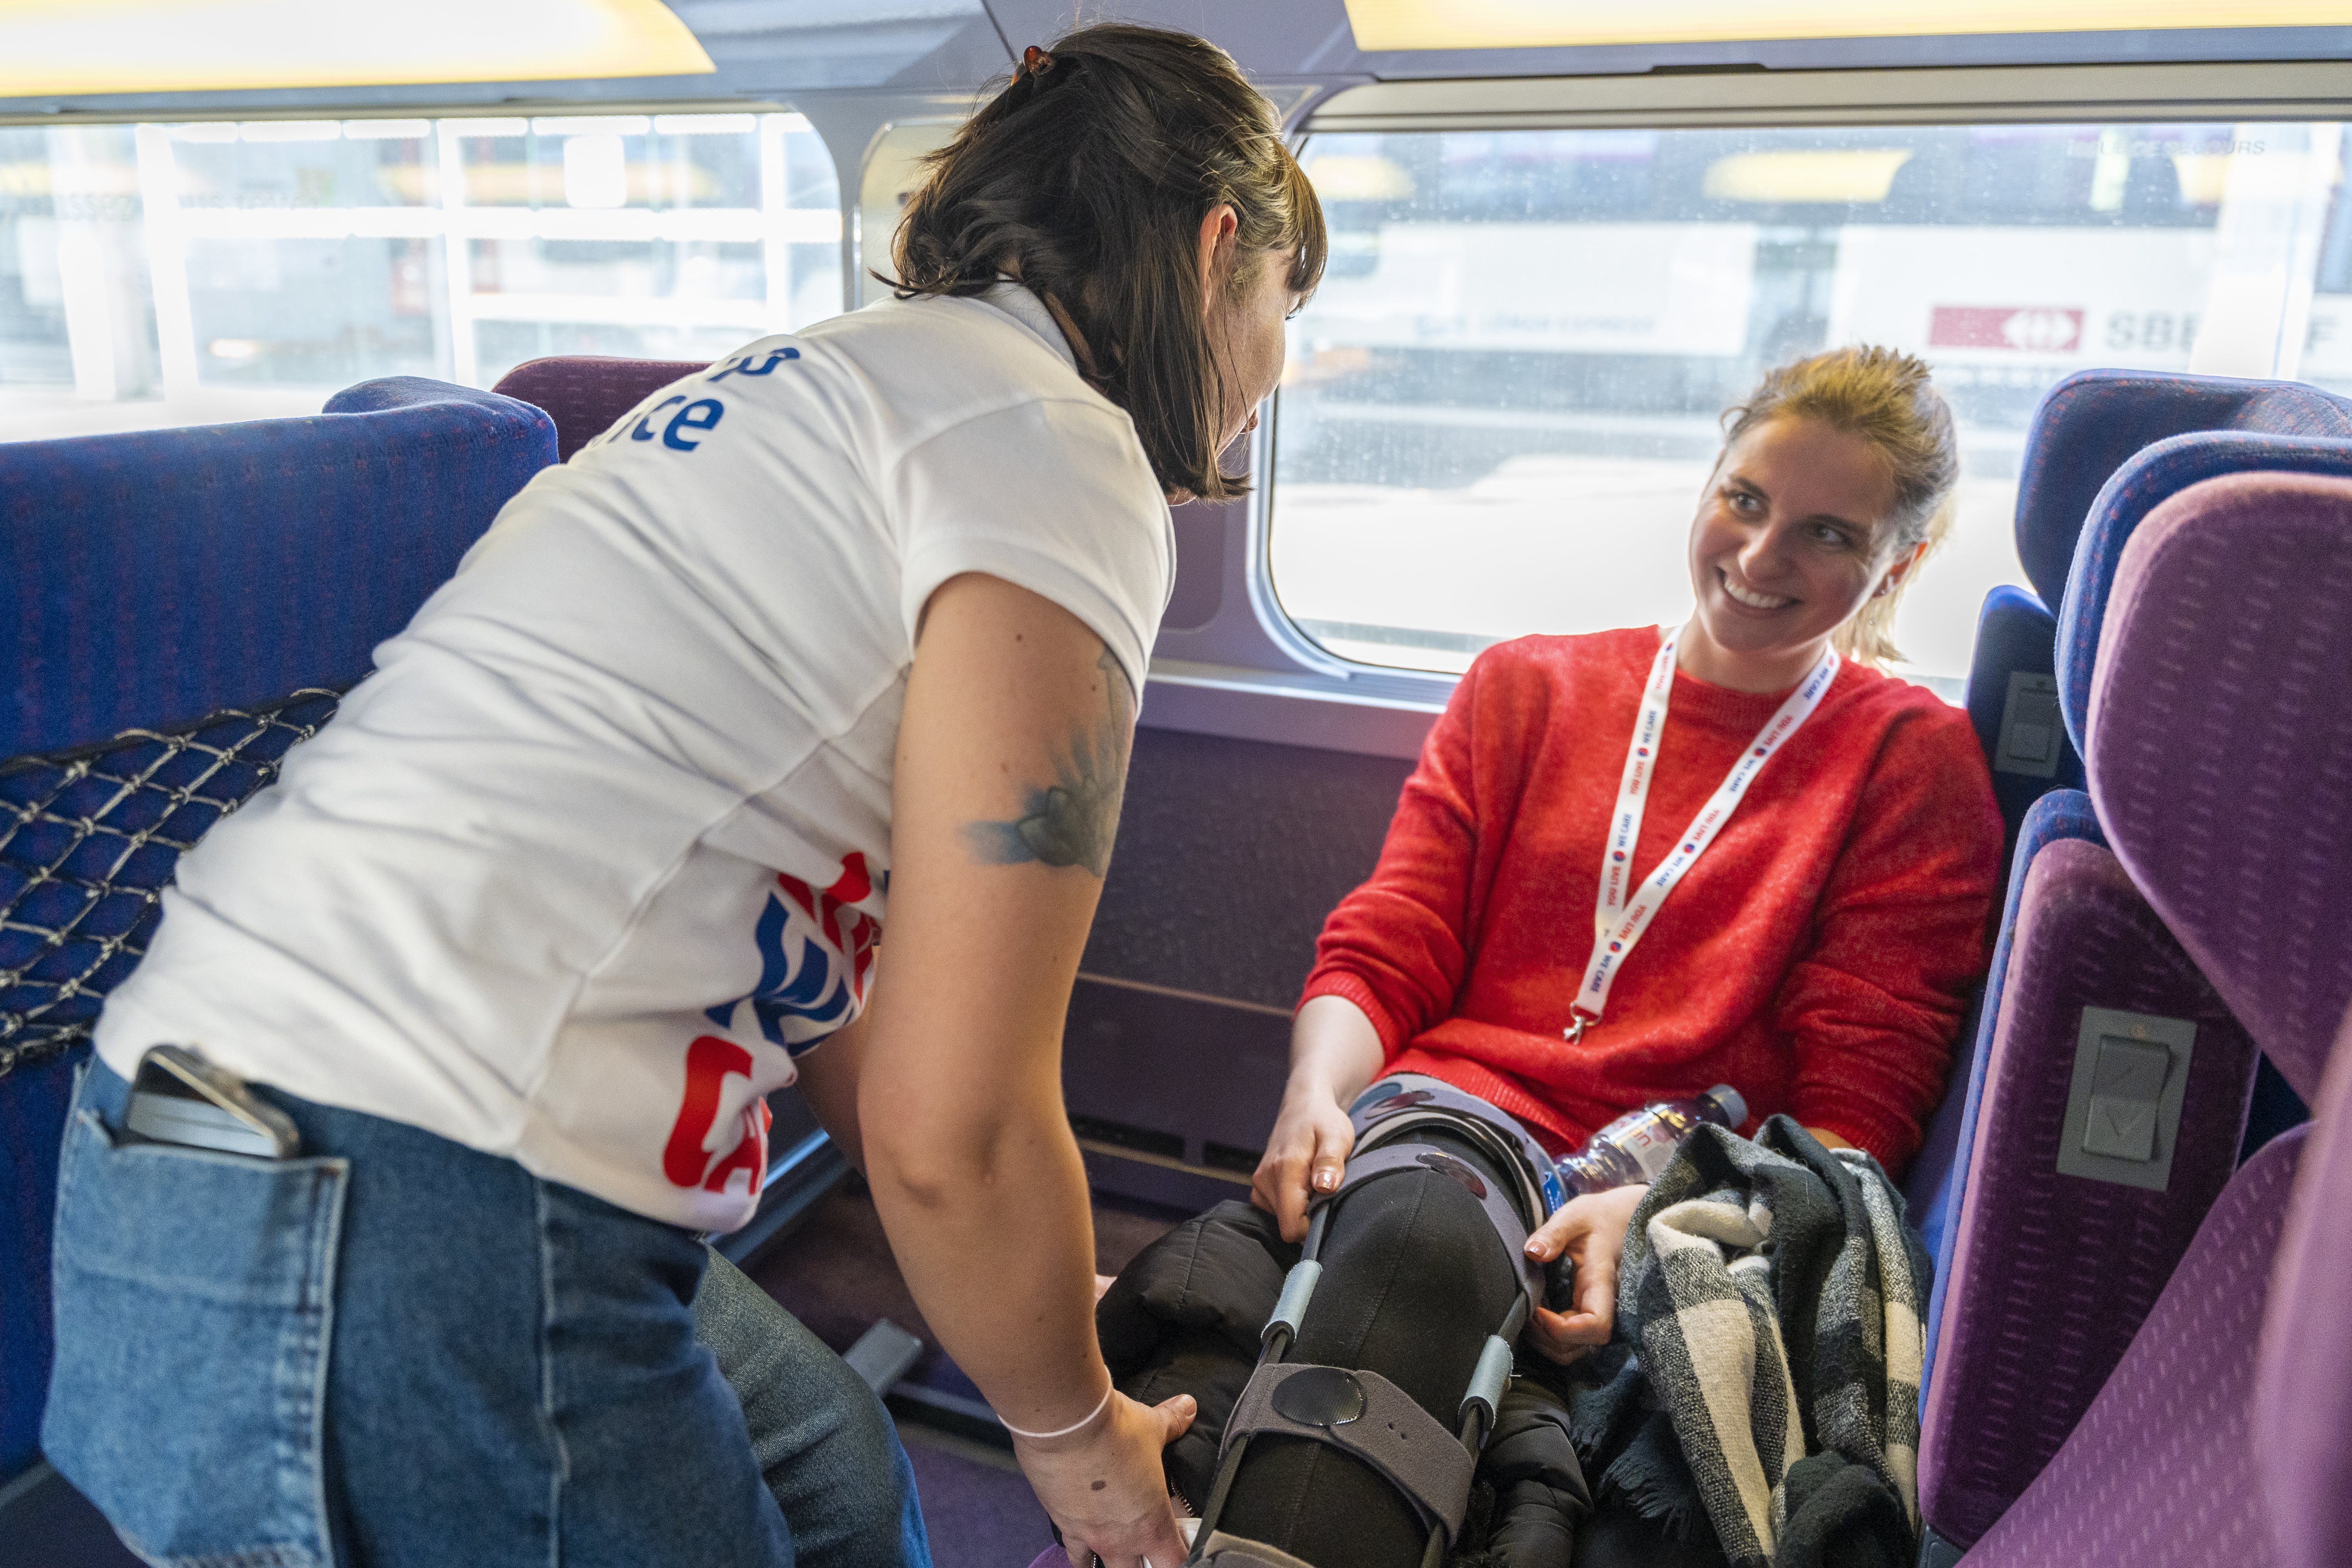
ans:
(1087, 177)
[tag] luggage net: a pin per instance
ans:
(90, 836)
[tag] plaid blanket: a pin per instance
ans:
(1771, 1299)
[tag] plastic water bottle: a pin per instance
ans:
(1635, 1147)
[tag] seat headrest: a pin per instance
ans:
(2087, 424)
(586, 392)
(2220, 754)
(2144, 481)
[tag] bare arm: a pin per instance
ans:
(1011, 759)
(828, 1081)
(1335, 1053)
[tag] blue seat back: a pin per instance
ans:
(151, 580)
(2092, 423)
(156, 576)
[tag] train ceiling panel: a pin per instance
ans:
(146, 57)
(1405, 40)
(155, 55)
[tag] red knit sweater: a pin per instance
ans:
(1815, 957)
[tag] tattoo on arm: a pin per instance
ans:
(1071, 822)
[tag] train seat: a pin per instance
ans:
(209, 591)
(583, 394)
(2220, 716)
(2021, 1234)
(2085, 429)
(2088, 427)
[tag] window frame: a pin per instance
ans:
(1251, 673)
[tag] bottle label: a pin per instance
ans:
(1652, 1144)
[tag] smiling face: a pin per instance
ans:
(1793, 535)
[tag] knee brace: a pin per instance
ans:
(1412, 1285)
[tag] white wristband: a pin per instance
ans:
(1101, 1405)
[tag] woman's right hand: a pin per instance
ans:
(1104, 1487)
(1305, 1157)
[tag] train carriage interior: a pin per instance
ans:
(289, 306)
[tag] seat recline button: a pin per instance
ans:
(2127, 1090)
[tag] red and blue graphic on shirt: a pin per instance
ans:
(815, 953)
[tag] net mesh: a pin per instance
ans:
(88, 839)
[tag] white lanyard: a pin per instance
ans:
(1621, 915)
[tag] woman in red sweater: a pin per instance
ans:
(1813, 952)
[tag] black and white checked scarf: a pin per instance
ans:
(1774, 1299)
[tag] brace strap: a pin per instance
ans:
(1509, 1229)
(1369, 1417)
(1232, 1551)
(1405, 1101)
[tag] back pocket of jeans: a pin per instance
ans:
(194, 1306)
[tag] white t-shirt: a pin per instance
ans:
(605, 838)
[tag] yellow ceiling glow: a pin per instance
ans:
(1806, 174)
(55, 48)
(1545, 23)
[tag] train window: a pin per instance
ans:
(894, 170)
(1503, 402)
(170, 274)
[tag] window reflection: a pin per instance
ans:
(222, 271)
(1501, 405)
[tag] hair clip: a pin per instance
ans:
(1035, 62)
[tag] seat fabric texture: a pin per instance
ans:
(2090, 423)
(2303, 1379)
(2160, 1472)
(2221, 717)
(586, 393)
(2144, 482)
(2051, 1274)
(157, 576)
(160, 576)
(1941, 1173)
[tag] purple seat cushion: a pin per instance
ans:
(2303, 1400)
(1941, 1173)
(2089, 424)
(2161, 1471)
(2052, 1275)
(2142, 484)
(586, 393)
(2222, 746)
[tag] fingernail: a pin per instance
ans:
(1325, 1180)
(1535, 1248)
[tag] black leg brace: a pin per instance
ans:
(1414, 1281)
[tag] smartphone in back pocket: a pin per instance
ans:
(177, 1097)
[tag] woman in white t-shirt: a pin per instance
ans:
(518, 945)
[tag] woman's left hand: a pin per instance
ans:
(1590, 1229)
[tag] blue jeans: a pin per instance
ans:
(395, 1351)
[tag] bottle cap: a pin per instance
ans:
(1733, 1103)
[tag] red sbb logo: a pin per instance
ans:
(2027, 329)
